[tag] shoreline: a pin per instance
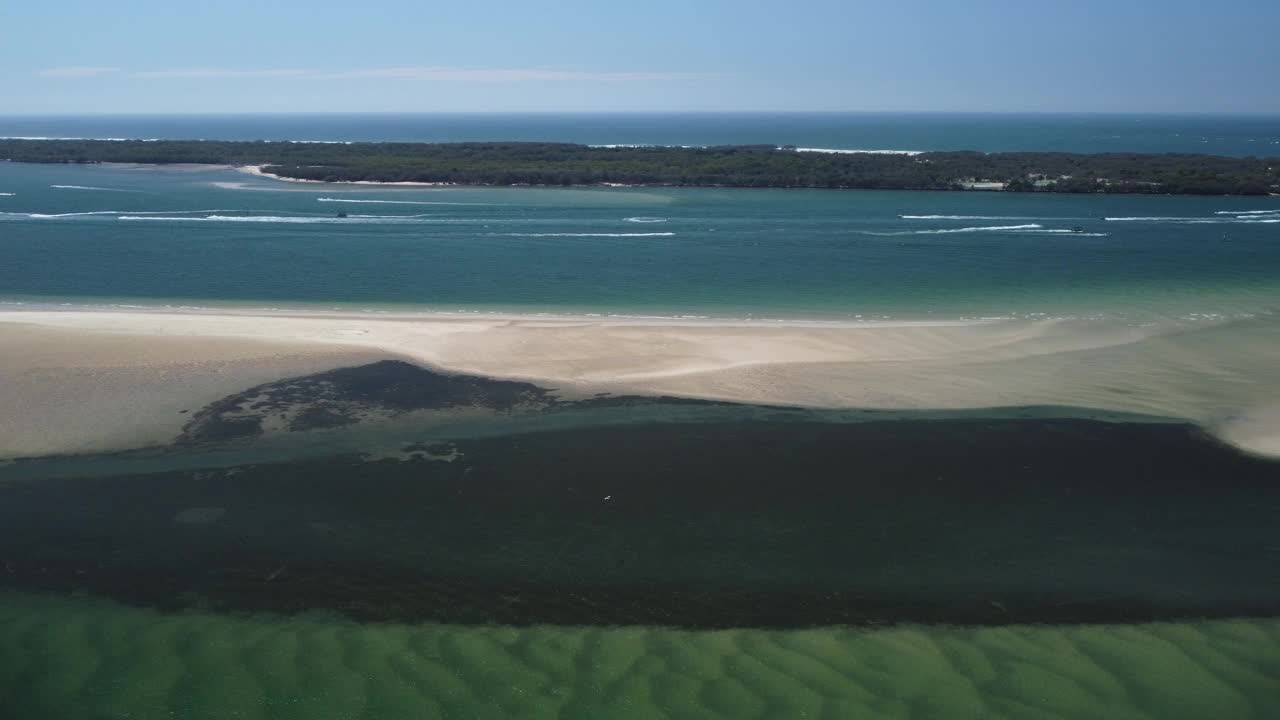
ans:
(961, 187)
(256, 171)
(1216, 374)
(426, 314)
(534, 164)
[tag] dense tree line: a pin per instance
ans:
(729, 166)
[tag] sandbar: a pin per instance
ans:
(146, 365)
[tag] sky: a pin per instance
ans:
(151, 56)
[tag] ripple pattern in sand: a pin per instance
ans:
(86, 659)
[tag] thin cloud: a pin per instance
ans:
(425, 73)
(78, 71)
(495, 74)
(216, 73)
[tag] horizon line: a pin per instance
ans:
(988, 113)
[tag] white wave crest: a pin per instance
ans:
(1248, 212)
(617, 235)
(6, 194)
(974, 217)
(399, 202)
(645, 219)
(297, 220)
(838, 151)
(1062, 231)
(988, 228)
(105, 139)
(48, 216)
(645, 145)
(1147, 219)
(87, 187)
(1228, 220)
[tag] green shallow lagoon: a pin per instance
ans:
(70, 658)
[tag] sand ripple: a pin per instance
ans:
(84, 659)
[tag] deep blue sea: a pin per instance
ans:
(1213, 134)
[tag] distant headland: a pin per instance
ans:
(758, 166)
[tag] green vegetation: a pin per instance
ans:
(727, 166)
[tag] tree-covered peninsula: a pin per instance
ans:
(512, 163)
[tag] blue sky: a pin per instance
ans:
(145, 56)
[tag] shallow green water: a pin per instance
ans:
(64, 658)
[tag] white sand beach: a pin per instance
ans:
(257, 171)
(75, 391)
(83, 380)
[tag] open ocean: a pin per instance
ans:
(629, 557)
(1242, 136)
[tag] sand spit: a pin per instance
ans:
(1224, 375)
(257, 170)
(72, 391)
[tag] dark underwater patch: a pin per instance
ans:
(710, 524)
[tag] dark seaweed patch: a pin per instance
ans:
(711, 524)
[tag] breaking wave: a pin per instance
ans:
(975, 217)
(986, 228)
(838, 151)
(88, 187)
(646, 219)
(1026, 229)
(1232, 219)
(1062, 231)
(619, 235)
(400, 202)
(291, 219)
(49, 216)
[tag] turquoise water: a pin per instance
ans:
(1214, 134)
(99, 234)
(78, 659)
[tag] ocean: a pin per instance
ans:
(101, 235)
(1241, 136)
(496, 550)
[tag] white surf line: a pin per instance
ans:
(1227, 220)
(100, 139)
(617, 235)
(88, 187)
(1002, 229)
(48, 216)
(989, 228)
(403, 202)
(838, 151)
(288, 219)
(987, 217)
